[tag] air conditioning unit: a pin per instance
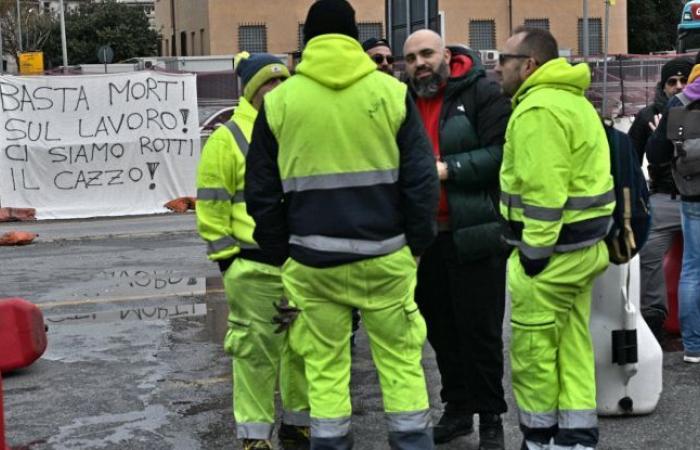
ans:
(148, 63)
(489, 56)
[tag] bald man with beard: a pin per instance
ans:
(461, 277)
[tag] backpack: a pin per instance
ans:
(684, 131)
(632, 213)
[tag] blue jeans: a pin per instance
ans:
(689, 287)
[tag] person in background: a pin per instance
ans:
(378, 49)
(674, 77)
(344, 194)
(252, 279)
(660, 151)
(461, 277)
(557, 196)
(666, 220)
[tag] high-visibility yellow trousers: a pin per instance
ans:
(260, 356)
(551, 349)
(382, 289)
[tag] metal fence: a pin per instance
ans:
(631, 83)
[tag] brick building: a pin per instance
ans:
(211, 27)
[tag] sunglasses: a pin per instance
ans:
(675, 80)
(377, 58)
(504, 57)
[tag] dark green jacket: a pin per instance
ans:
(473, 123)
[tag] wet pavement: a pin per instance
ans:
(134, 357)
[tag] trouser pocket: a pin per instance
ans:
(237, 342)
(534, 361)
(415, 328)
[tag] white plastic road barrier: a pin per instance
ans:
(629, 360)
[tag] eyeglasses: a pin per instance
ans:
(675, 80)
(504, 57)
(377, 58)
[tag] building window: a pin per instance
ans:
(537, 23)
(482, 34)
(252, 38)
(193, 35)
(406, 16)
(183, 43)
(166, 47)
(369, 30)
(201, 41)
(595, 36)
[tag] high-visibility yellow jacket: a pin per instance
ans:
(556, 188)
(222, 220)
(341, 168)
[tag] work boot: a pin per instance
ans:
(257, 444)
(452, 424)
(491, 432)
(293, 437)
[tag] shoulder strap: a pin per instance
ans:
(684, 99)
(238, 136)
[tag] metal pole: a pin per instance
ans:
(173, 44)
(64, 46)
(2, 54)
(19, 29)
(605, 59)
(585, 30)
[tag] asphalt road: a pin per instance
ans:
(136, 317)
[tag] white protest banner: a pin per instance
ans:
(97, 145)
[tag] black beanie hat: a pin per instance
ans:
(330, 16)
(257, 69)
(677, 66)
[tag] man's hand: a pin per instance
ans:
(532, 267)
(286, 315)
(442, 170)
(654, 124)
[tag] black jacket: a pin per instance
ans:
(660, 176)
(473, 123)
(659, 150)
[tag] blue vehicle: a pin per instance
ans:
(689, 28)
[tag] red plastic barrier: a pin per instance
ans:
(22, 334)
(672, 273)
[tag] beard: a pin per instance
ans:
(428, 87)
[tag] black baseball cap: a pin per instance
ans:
(375, 42)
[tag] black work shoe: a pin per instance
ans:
(491, 432)
(453, 424)
(293, 437)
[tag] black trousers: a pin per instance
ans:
(463, 305)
